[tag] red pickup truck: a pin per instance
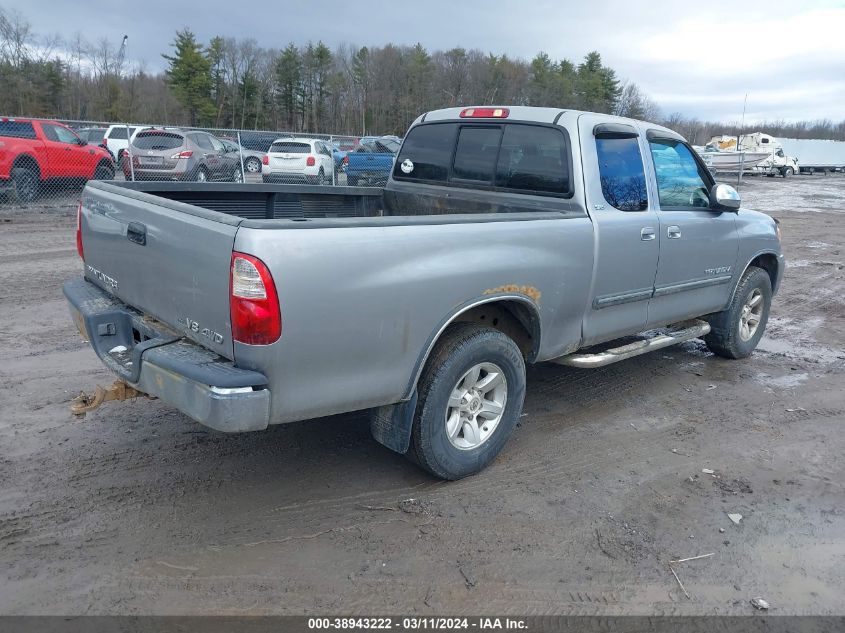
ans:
(34, 152)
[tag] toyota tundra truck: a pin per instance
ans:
(504, 236)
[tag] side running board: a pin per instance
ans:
(681, 332)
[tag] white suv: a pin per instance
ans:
(297, 160)
(117, 139)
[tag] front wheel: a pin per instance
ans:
(736, 332)
(103, 172)
(470, 397)
(788, 172)
(237, 175)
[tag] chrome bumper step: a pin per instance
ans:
(681, 332)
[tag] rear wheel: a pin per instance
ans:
(103, 172)
(321, 177)
(26, 183)
(253, 165)
(470, 397)
(736, 332)
(201, 175)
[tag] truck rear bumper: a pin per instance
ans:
(157, 360)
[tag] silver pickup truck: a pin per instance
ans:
(504, 236)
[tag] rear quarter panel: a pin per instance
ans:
(361, 304)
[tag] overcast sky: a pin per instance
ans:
(698, 58)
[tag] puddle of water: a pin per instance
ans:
(812, 352)
(786, 381)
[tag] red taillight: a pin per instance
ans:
(345, 160)
(254, 304)
(186, 154)
(485, 113)
(310, 161)
(79, 248)
(265, 160)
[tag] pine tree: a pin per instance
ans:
(189, 76)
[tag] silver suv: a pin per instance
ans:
(174, 154)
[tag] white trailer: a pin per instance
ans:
(816, 155)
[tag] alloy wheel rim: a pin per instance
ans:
(476, 406)
(750, 315)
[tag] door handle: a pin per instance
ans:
(647, 233)
(673, 232)
(137, 233)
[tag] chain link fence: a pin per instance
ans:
(46, 163)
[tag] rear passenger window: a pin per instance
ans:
(202, 141)
(621, 173)
(427, 152)
(16, 129)
(475, 157)
(533, 158)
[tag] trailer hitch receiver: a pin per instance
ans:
(119, 390)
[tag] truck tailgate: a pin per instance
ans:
(166, 259)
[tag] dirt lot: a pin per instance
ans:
(139, 510)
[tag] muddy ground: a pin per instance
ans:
(139, 510)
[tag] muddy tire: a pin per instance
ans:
(26, 183)
(736, 332)
(470, 397)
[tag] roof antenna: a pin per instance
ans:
(738, 141)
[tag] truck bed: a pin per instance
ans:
(268, 201)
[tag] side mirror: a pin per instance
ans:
(724, 197)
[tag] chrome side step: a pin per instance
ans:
(685, 331)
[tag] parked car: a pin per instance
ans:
(340, 148)
(117, 137)
(174, 154)
(371, 162)
(258, 141)
(251, 159)
(505, 236)
(95, 136)
(35, 152)
(298, 159)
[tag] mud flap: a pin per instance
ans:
(391, 425)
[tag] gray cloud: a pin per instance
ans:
(700, 60)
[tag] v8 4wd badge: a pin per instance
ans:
(193, 326)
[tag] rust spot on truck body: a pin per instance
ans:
(529, 291)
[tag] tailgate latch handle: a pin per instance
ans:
(137, 233)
